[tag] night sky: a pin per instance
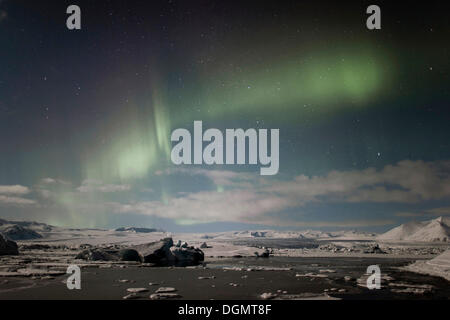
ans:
(86, 115)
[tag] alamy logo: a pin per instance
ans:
(74, 280)
(374, 20)
(235, 139)
(74, 20)
(374, 280)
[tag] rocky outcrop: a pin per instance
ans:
(258, 234)
(164, 253)
(155, 252)
(160, 253)
(181, 244)
(187, 256)
(97, 254)
(264, 254)
(8, 247)
(375, 249)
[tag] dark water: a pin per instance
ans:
(354, 268)
(276, 243)
(103, 283)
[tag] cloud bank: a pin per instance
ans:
(243, 197)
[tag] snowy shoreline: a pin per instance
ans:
(438, 266)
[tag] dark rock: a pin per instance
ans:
(265, 254)
(258, 234)
(204, 246)
(137, 230)
(155, 252)
(98, 255)
(164, 253)
(85, 246)
(129, 255)
(8, 247)
(35, 246)
(375, 249)
(187, 256)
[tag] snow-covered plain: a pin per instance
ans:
(425, 239)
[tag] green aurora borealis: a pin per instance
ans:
(329, 83)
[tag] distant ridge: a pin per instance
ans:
(23, 230)
(305, 234)
(426, 231)
(137, 230)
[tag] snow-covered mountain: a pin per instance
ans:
(305, 234)
(23, 230)
(427, 231)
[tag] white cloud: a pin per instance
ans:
(99, 186)
(14, 189)
(12, 195)
(9, 200)
(252, 199)
(49, 180)
(235, 205)
(405, 182)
